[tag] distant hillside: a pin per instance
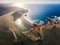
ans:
(6, 7)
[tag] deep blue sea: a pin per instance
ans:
(39, 12)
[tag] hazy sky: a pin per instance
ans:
(22, 1)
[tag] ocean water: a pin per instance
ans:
(40, 12)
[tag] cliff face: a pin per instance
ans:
(52, 37)
(6, 36)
